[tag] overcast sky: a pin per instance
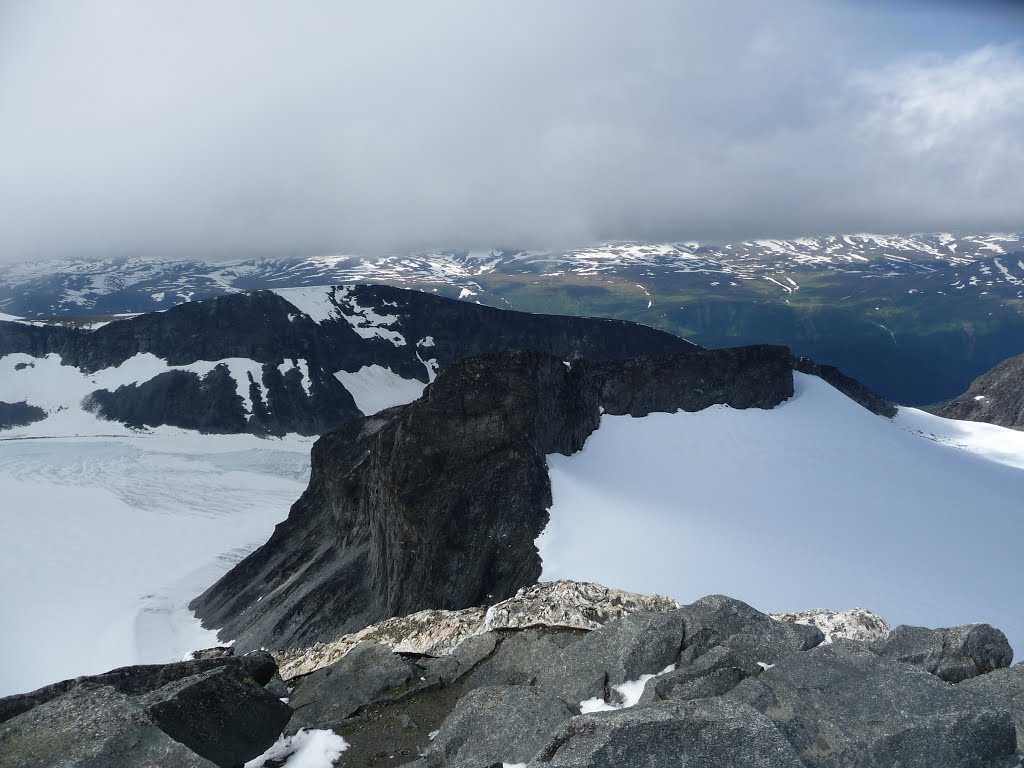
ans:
(250, 128)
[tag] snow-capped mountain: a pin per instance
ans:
(915, 317)
(82, 287)
(272, 362)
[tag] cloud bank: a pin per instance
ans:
(258, 128)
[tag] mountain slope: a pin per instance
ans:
(996, 397)
(298, 360)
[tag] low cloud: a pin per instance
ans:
(255, 128)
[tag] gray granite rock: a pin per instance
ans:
(91, 726)
(366, 674)
(224, 717)
(708, 732)
(841, 704)
(952, 654)
(712, 674)
(1001, 689)
(507, 724)
(718, 620)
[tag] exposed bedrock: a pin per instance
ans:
(996, 397)
(217, 711)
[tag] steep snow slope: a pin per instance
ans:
(814, 503)
(104, 540)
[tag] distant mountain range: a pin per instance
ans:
(915, 317)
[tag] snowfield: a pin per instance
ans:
(816, 503)
(105, 540)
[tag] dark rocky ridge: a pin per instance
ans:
(401, 515)
(996, 397)
(266, 328)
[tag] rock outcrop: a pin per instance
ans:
(852, 624)
(197, 714)
(400, 514)
(952, 654)
(711, 683)
(559, 604)
(19, 414)
(996, 397)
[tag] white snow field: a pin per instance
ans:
(815, 503)
(375, 387)
(105, 540)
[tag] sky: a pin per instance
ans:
(243, 128)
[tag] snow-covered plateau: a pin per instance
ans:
(106, 539)
(815, 503)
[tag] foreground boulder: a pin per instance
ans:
(756, 638)
(952, 654)
(143, 678)
(217, 716)
(92, 727)
(497, 725)
(725, 734)
(337, 692)
(841, 704)
(1001, 689)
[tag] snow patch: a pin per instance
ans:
(629, 694)
(316, 302)
(374, 388)
(306, 749)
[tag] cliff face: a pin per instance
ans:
(437, 504)
(268, 364)
(996, 397)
